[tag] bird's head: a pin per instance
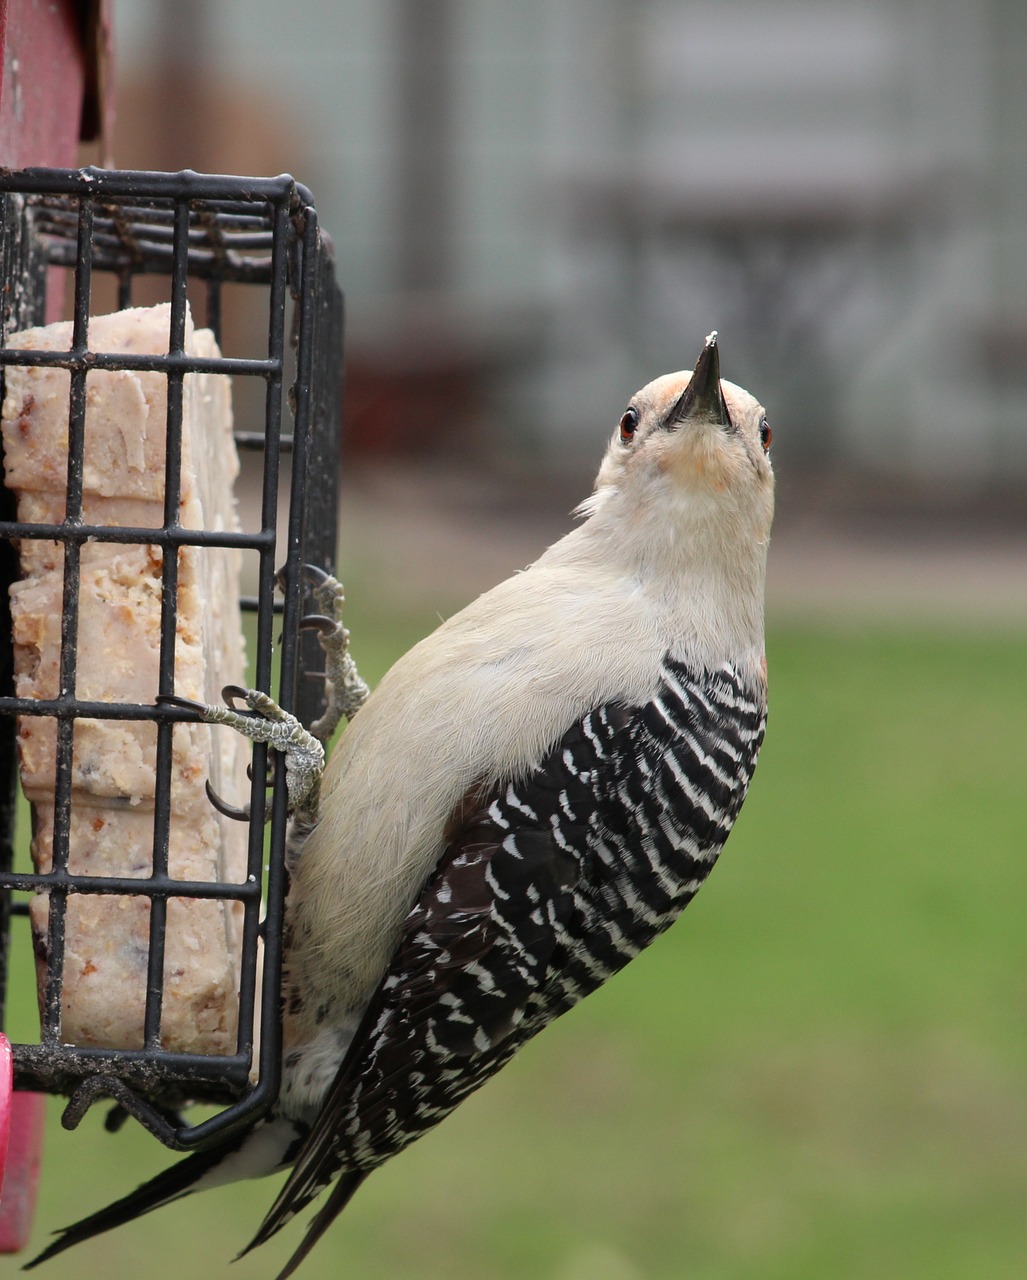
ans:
(690, 452)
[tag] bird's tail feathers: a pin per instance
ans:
(252, 1153)
(171, 1184)
(342, 1193)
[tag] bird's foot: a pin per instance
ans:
(345, 688)
(265, 721)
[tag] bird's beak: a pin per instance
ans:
(703, 398)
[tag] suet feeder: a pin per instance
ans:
(212, 243)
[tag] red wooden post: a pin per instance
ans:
(54, 92)
(21, 1148)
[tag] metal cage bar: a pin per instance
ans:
(262, 233)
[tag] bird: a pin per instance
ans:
(528, 798)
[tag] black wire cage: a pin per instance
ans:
(217, 247)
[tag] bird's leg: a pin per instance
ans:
(304, 753)
(345, 689)
(265, 721)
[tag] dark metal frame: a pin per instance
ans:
(261, 232)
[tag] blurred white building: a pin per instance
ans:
(557, 199)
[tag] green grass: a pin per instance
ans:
(819, 1074)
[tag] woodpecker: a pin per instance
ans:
(530, 796)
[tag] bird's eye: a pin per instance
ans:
(766, 435)
(628, 425)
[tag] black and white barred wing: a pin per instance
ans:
(670, 784)
(472, 952)
(544, 889)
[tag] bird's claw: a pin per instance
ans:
(304, 753)
(236, 812)
(257, 716)
(183, 704)
(233, 811)
(265, 721)
(233, 693)
(346, 691)
(318, 622)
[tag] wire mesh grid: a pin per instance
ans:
(185, 232)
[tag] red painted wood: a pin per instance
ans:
(54, 61)
(6, 1094)
(21, 1169)
(3, 42)
(42, 84)
(21, 1145)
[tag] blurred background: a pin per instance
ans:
(538, 207)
